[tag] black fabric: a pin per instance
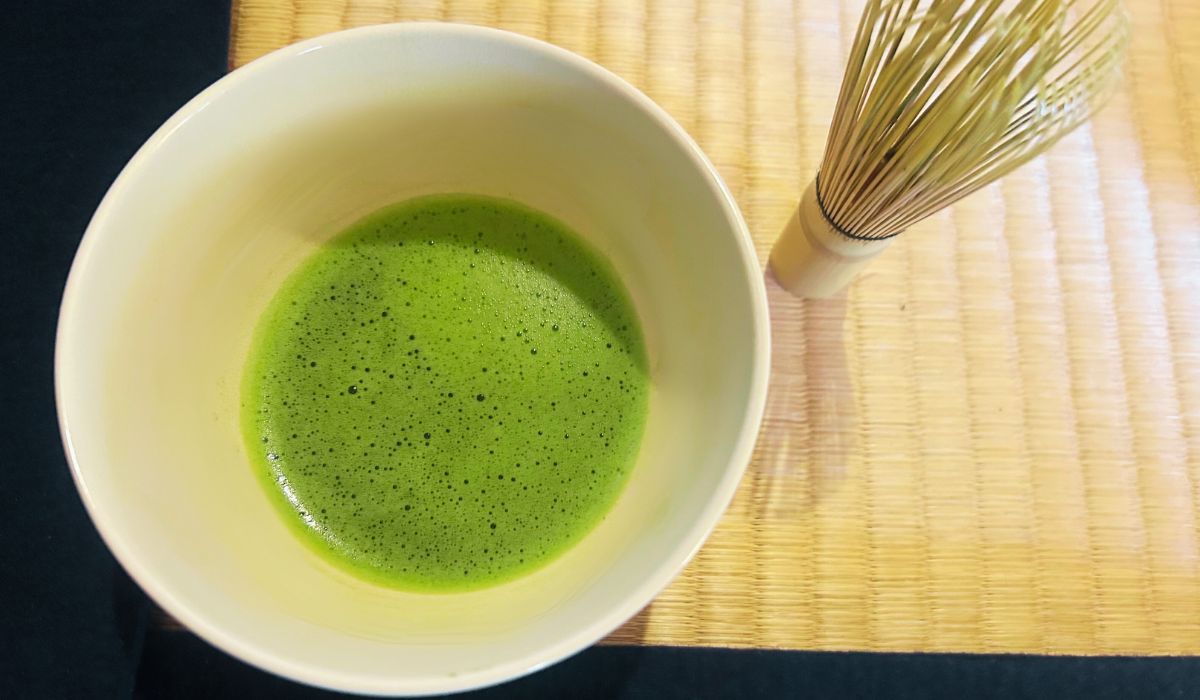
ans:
(180, 666)
(84, 83)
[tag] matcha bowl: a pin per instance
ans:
(250, 178)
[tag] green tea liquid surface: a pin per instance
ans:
(447, 395)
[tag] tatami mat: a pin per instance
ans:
(992, 441)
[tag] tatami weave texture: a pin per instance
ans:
(992, 441)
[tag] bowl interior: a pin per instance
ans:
(242, 185)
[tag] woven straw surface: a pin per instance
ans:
(992, 441)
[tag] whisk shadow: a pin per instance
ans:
(810, 426)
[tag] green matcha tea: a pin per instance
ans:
(447, 395)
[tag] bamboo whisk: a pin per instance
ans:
(939, 98)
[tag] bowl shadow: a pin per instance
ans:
(560, 255)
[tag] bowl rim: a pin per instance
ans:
(569, 643)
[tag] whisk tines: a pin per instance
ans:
(939, 98)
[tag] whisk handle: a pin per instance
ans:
(812, 258)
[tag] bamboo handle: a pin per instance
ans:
(812, 258)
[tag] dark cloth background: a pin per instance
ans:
(83, 84)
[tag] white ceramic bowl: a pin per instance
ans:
(239, 186)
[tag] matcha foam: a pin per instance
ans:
(448, 395)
